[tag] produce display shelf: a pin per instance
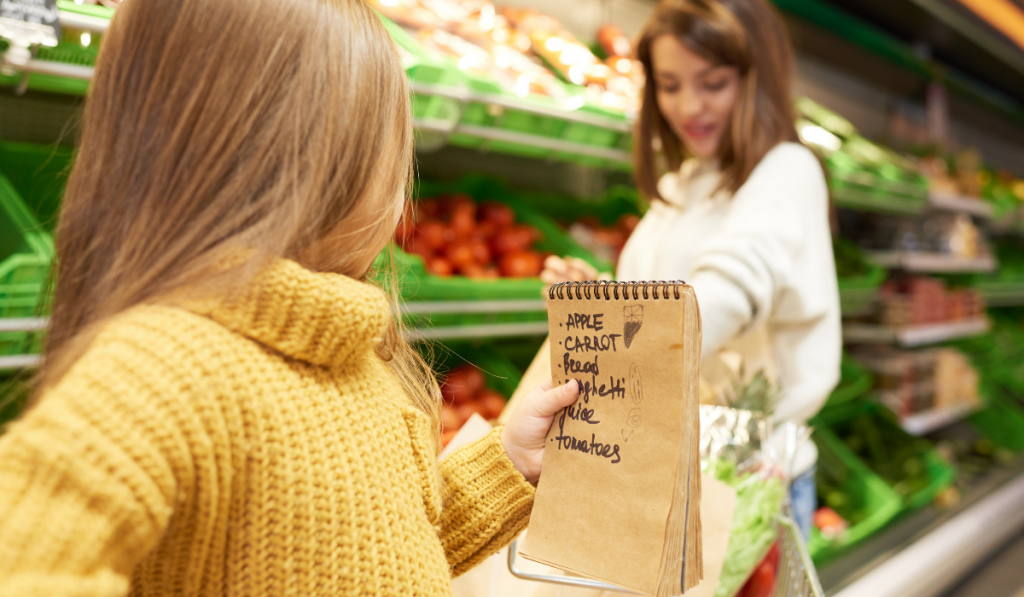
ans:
(922, 262)
(864, 200)
(486, 330)
(952, 202)
(23, 324)
(74, 19)
(19, 361)
(927, 551)
(428, 307)
(1002, 294)
(916, 335)
(925, 422)
(444, 127)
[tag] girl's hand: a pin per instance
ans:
(570, 269)
(524, 435)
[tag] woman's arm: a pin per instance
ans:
(777, 225)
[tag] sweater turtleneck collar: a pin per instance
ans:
(320, 318)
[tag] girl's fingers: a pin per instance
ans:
(551, 400)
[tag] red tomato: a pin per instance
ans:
(439, 266)
(491, 273)
(429, 208)
(484, 231)
(521, 264)
(473, 377)
(466, 410)
(528, 233)
(463, 222)
(462, 384)
(627, 223)
(493, 403)
(449, 418)
(773, 556)
(405, 229)
(417, 246)
(432, 234)
(460, 253)
(472, 270)
(509, 240)
(761, 583)
(461, 201)
(481, 252)
(496, 213)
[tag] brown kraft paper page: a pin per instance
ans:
(611, 461)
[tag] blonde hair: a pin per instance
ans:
(216, 128)
(746, 34)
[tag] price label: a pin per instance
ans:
(28, 22)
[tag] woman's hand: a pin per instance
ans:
(524, 434)
(570, 269)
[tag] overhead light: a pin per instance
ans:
(815, 135)
(86, 40)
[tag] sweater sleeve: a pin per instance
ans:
(84, 492)
(750, 268)
(487, 504)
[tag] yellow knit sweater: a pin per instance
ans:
(262, 449)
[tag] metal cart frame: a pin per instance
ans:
(795, 577)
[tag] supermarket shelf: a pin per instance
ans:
(1009, 294)
(19, 361)
(871, 201)
(445, 127)
(932, 420)
(490, 330)
(931, 262)
(57, 69)
(917, 335)
(971, 205)
(73, 20)
(25, 324)
(934, 557)
(514, 103)
(427, 307)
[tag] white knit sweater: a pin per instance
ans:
(760, 262)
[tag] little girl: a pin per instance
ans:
(226, 406)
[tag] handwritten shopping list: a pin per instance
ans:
(614, 500)
(586, 339)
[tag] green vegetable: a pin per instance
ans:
(754, 523)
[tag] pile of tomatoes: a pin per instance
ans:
(456, 236)
(604, 241)
(762, 581)
(464, 393)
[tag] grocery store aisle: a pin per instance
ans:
(1003, 576)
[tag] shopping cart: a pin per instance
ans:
(796, 576)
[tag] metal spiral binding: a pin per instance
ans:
(597, 289)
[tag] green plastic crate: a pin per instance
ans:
(941, 473)
(39, 174)
(26, 252)
(1001, 422)
(875, 501)
(854, 382)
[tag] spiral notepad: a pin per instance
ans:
(619, 494)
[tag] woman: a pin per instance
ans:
(742, 213)
(226, 405)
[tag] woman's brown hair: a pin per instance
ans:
(746, 34)
(236, 131)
